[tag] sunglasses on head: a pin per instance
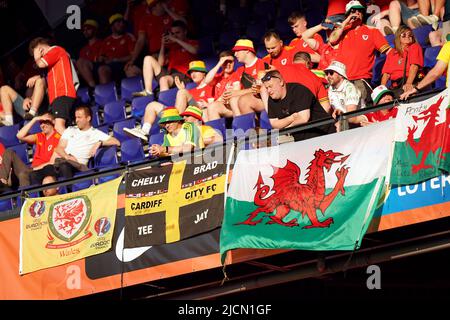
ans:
(268, 76)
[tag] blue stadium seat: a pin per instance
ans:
(421, 35)
(156, 128)
(376, 69)
(105, 93)
(106, 157)
(95, 121)
(440, 82)
(83, 95)
(8, 135)
(241, 124)
(390, 39)
(6, 205)
(104, 128)
(22, 152)
(191, 85)
(35, 128)
(156, 139)
(168, 97)
(82, 185)
(264, 121)
(219, 125)
(118, 129)
(114, 112)
(138, 106)
(132, 151)
(130, 85)
(430, 56)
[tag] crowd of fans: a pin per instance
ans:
(325, 71)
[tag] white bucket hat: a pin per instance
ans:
(339, 67)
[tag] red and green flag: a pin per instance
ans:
(422, 140)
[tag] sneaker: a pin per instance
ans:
(415, 22)
(28, 116)
(433, 20)
(143, 93)
(136, 132)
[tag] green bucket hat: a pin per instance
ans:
(170, 114)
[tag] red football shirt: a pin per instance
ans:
(202, 93)
(223, 84)
(179, 57)
(154, 28)
(286, 57)
(336, 7)
(327, 55)
(251, 70)
(300, 45)
(59, 79)
(395, 62)
(298, 73)
(91, 51)
(357, 51)
(118, 47)
(377, 116)
(44, 148)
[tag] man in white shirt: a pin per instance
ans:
(79, 143)
(343, 95)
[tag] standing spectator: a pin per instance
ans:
(60, 79)
(298, 23)
(343, 95)
(181, 51)
(45, 141)
(327, 51)
(357, 46)
(292, 104)
(115, 52)
(278, 54)
(403, 62)
(90, 52)
(79, 143)
(27, 107)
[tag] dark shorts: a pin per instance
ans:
(174, 73)
(62, 107)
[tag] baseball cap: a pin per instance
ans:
(339, 67)
(353, 5)
(379, 92)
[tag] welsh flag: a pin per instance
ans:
(422, 142)
(318, 194)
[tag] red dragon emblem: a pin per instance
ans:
(432, 135)
(69, 217)
(289, 194)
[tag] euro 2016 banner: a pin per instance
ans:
(318, 194)
(173, 202)
(64, 228)
(422, 140)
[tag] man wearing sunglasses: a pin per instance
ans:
(358, 44)
(46, 141)
(292, 104)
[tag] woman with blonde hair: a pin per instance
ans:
(403, 64)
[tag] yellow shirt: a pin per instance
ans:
(207, 132)
(189, 134)
(444, 56)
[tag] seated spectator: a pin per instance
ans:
(61, 79)
(181, 51)
(379, 18)
(343, 95)
(403, 62)
(27, 107)
(380, 95)
(208, 134)
(79, 143)
(199, 96)
(180, 136)
(45, 141)
(298, 23)
(278, 54)
(439, 68)
(10, 163)
(116, 52)
(402, 11)
(292, 104)
(89, 53)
